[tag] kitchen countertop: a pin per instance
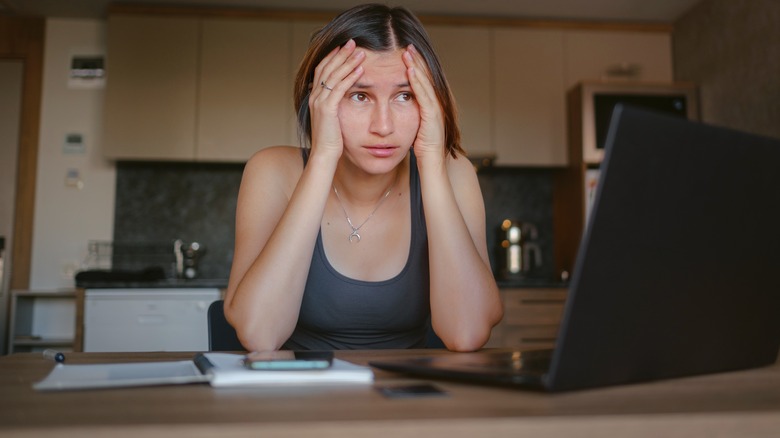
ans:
(168, 283)
(221, 283)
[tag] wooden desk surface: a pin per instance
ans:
(743, 403)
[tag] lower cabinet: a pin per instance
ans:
(147, 319)
(531, 318)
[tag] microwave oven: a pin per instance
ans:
(598, 99)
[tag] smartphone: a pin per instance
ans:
(286, 360)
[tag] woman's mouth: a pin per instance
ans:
(381, 151)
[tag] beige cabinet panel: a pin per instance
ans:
(531, 318)
(151, 88)
(245, 88)
(529, 115)
(465, 55)
(302, 31)
(592, 55)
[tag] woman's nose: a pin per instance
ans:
(382, 120)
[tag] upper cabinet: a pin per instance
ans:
(528, 88)
(197, 89)
(220, 88)
(302, 32)
(151, 93)
(465, 55)
(617, 55)
(245, 88)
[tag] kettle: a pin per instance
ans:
(518, 253)
(187, 257)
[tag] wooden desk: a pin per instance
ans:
(740, 404)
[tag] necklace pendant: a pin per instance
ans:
(354, 234)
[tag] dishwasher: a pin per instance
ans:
(147, 319)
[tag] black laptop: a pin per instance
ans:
(675, 274)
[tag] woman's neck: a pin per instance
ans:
(363, 189)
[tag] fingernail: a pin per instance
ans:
(350, 43)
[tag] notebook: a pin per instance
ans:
(675, 271)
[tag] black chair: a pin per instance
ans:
(222, 336)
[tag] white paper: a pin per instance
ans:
(115, 375)
(229, 370)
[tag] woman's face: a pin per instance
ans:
(379, 116)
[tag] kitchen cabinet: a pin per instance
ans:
(465, 55)
(147, 319)
(531, 318)
(617, 55)
(244, 89)
(219, 89)
(529, 95)
(24, 335)
(203, 89)
(302, 31)
(151, 91)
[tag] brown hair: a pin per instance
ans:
(377, 28)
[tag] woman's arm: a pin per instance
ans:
(277, 222)
(465, 303)
(278, 217)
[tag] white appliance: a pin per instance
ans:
(154, 319)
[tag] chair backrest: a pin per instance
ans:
(222, 336)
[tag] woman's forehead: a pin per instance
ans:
(383, 64)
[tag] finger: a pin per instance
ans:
(419, 79)
(335, 80)
(332, 61)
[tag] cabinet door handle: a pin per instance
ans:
(538, 340)
(541, 301)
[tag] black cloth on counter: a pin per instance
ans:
(150, 274)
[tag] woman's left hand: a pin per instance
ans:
(429, 144)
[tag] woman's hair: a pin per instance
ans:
(378, 28)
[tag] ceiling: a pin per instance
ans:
(663, 11)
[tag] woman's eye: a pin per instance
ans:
(405, 97)
(359, 97)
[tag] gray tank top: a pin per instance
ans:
(338, 312)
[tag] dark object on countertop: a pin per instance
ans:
(150, 274)
(222, 335)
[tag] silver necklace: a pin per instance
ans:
(354, 233)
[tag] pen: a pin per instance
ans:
(53, 355)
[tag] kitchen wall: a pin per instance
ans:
(69, 213)
(732, 50)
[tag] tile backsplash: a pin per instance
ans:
(157, 203)
(162, 202)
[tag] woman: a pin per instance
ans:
(333, 249)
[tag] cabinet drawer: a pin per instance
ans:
(530, 337)
(533, 306)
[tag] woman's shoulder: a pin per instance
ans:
(276, 155)
(275, 164)
(460, 166)
(279, 158)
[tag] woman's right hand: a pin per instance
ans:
(333, 77)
